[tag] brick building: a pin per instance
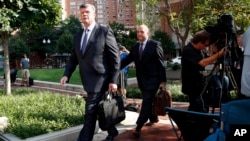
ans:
(121, 11)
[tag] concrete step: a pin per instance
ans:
(71, 89)
(56, 87)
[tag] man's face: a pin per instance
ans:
(87, 16)
(142, 33)
(202, 46)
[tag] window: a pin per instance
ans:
(99, 1)
(72, 3)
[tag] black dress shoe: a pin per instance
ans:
(137, 134)
(149, 124)
(154, 121)
(109, 138)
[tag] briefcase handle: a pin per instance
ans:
(109, 95)
(163, 89)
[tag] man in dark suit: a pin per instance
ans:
(147, 55)
(99, 64)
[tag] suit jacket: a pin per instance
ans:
(150, 69)
(100, 63)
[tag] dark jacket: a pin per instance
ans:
(150, 69)
(100, 63)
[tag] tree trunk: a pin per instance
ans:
(5, 37)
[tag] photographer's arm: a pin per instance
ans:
(209, 60)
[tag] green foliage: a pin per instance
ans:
(167, 43)
(65, 42)
(133, 92)
(61, 38)
(173, 66)
(17, 47)
(131, 40)
(71, 24)
(191, 16)
(148, 13)
(117, 29)
(123, 36)
(35, 38)
(68, 28)
(33, 113)
(24, 15)
(19, 13)
(207, 12)
(174, 87)
(177, 95)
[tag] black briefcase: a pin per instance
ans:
(31, 81)
(111, 110)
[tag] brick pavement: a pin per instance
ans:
(162, 131)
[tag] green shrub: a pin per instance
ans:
(133, 92)
(31, 112)
(175, 88)
(173, 66)
(177, 95)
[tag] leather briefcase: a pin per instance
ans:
(161, 100)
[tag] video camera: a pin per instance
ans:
(224, 35)
(223, 32)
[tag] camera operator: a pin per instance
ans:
(245, 79)
(193, 62)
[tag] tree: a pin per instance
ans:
(167, 43)
(119, 31)
(209, 12)
(148, 13)
(23, 15)
(125, 37)
(188, 16)
(35, 38)
(130, 40)
(65, 42)
(72, 24)
(17, 48)
(69, 28)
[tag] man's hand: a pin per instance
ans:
(162, 85)
(63, 80)
(222, 51)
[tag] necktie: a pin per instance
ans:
(141, 50)
(84, 42)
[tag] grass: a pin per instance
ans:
(54, 75)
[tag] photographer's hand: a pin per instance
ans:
(209, 60)
(221, 52)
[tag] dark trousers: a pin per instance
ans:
(146, 109)
(90, 118)
(197, 104)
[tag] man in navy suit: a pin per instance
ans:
(96, 52)
(148, 57)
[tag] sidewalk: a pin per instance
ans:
(161, 131)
